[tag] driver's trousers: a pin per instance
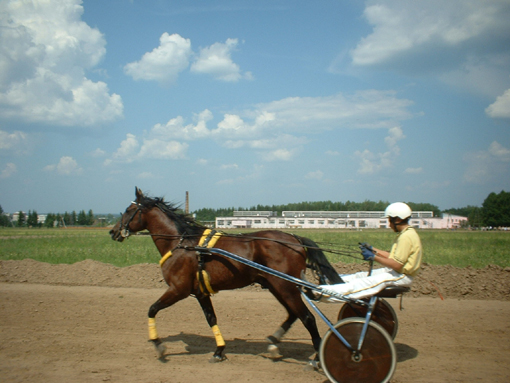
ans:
(360, 285)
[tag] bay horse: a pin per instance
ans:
(176, 236)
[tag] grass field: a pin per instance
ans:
(456, 248)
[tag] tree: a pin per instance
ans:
(425, 207)
(4, 219)
(475, 218)
(32, 219)
(50, 220)
(90, 218)
(496, 209)
(60, 220)
(82, 218)
(21, 219)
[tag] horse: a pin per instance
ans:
(189, 272)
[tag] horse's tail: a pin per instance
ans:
(318, 262)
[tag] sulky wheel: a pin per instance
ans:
(375, 362)
(383, 314)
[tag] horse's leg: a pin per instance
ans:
(290, 298)
(279, 333)
(210, 316)
(166, 300)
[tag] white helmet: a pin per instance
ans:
(398, 209)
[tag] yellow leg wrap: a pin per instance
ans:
(217, 335)
(153, 333)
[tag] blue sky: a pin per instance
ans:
(252, 102)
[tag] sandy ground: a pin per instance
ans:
(54, 330)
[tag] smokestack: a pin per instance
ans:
(187, 203)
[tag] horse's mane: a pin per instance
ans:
(185, 223)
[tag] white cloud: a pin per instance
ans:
(165, 150)
(371, 163)
(486, 165)
(98, 153)
(128, 149)
(216, 60)
(229, 167)
(176, 128)
(464, 42)
(12, 141)
(165, 62)
(400, 26)
(279, 155)
(156, 148)
(8, 171)
(277, 130)
(501, 107)
(66, 166)
(45, 51)
(145, 175)
(316, 175)
(363, 109)
(413, 171)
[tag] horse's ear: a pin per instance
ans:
(138, 193)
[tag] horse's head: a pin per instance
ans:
(131, 221)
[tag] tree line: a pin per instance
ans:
(31, 219)
(211, 214)
(494, 212)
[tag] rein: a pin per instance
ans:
(349, 251)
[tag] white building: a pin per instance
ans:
(331, 220)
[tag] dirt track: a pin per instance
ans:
(62, 331)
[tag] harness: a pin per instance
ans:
(207, 241)
(124, 227)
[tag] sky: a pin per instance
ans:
(242, 103)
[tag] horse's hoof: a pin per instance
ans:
(217, 359)
(312, 365)
(160, 348)
(274, 352)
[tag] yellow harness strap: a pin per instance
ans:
(207, 283)
(212, 241)
(164, 258)
(209, 242)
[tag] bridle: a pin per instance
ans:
(124, 228)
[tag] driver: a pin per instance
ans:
(401, 263)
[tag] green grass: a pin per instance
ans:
(74, 245)
(456, 248)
